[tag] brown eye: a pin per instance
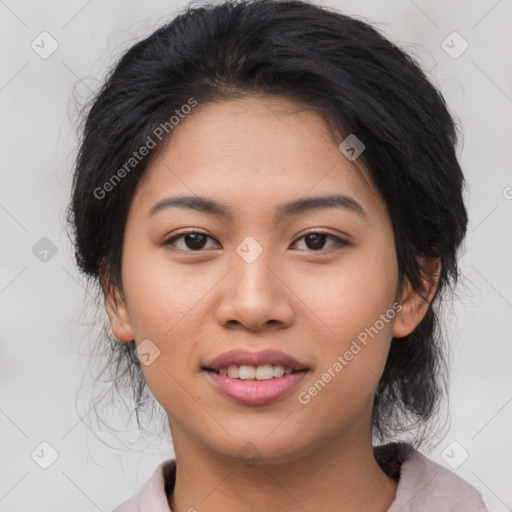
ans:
(316, 240)
(189, 242)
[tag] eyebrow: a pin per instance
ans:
(209, 206)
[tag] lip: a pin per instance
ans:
(241, 356)
(256, 392)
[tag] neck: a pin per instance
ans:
(342, 474)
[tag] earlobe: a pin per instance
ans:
(119, 318)
(415, 304)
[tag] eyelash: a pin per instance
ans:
(339, 242)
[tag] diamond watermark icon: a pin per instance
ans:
(249, 250)
(454, 45)
(44, 45)
(351, 147)
(147, 352)
(44, 250)
(454, 455)
(249, 454)
(44, 455)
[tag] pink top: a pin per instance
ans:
(423, 486)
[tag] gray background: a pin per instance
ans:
(44, 329)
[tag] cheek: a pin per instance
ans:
(347, 298)
(166, 306)
(354, 310)
(350, 364)
(161, 293)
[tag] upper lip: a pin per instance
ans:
(241, 356)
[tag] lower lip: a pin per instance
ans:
(256, 392)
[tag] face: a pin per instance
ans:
(319, 285)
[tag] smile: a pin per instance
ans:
(249, 385)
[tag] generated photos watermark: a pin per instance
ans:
(304, 397)
(158, 133)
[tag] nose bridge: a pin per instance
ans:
(253, 295)
(252, 261)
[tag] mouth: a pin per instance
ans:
(254, 378)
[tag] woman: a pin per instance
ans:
(268, 193)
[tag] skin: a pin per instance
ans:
(307, 300)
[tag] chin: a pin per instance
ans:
(259, 448)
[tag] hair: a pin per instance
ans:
(360, 83)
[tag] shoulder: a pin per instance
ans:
(425, 486)
(152, 496)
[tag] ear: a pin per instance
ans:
(415, 304)
(119, 317)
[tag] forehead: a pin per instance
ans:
(251, 152)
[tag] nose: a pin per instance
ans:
(255, 296)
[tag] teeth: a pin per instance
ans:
(233, 371)
(278, 371)
(248, 372)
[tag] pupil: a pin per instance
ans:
(318, 240)
(195, 244)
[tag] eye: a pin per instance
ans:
(315, 240)
(193, 240)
